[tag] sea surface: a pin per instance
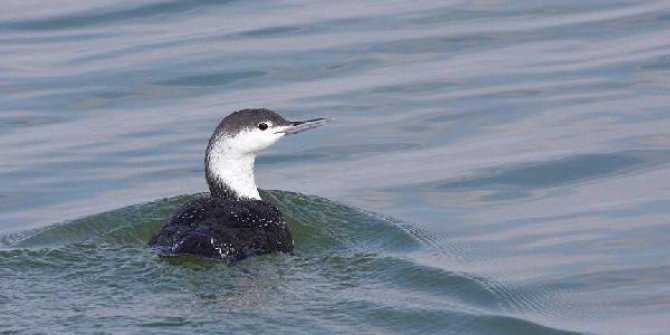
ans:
(494, 167)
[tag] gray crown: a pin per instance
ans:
(248, 118)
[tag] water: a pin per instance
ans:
(494, 168)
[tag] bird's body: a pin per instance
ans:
(233, 222)
(226, 229)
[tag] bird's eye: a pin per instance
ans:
(262, 126)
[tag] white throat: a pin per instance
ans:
(233, 169)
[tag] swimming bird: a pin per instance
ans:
(233, 222)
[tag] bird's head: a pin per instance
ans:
(233, 147)
(251, 130)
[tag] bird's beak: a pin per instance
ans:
(300, 126)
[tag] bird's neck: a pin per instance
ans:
(230, 174)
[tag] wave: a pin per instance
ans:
(351, 271)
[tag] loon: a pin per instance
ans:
(233, 222)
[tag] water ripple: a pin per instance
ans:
(521, 149)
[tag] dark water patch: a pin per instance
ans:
(450, 13)
(408, 320)
(655, 274)
(167, 322)
(443, 121)
(569, 170)
(461, 43)
(660, 63)
(273, 31)
(324, 66)
(112, 14)
(214, 79)
(512, 325)
(81, 95)
(113, 94)
(52, 38)
(414, 87)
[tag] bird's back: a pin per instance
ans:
(226, 229)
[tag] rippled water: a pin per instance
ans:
(521, 150)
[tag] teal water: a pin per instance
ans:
(494, 168)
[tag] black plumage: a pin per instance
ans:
(225, 229)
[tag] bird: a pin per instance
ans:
(233, 222)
